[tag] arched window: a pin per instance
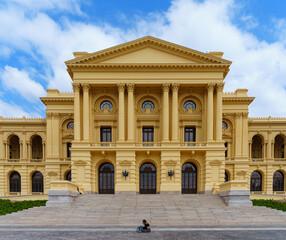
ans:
(68, 176)
(37, 182)
(15, 182)
(256, 151)
(14, 147)
(224, 125)
(256, 182)
(279, 147)
(189, 105)
(226, 177)
(106, 105)
(278, 181)
(70, 125)
(37, 148)
(148, 105)
(69, 145)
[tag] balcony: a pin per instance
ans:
(36, 160)
(13, 160)
(257, 160)
(279, 159)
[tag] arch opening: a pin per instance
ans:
(37, 147)
(106, 179)
(37, 182)
(14, 147)
(278, 181)
(256, 182)
(15, 182)
(279, 147)
(147, 180)
(256, 150)
(189, 178)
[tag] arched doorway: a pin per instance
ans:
(37, 147)
(189, 178)
(256, 182)
(37, 182)
(106, 179)
(226, 178)
(278, 181)
(68, 176)
(15, 182)
(147, 178)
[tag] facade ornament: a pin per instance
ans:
(245, 114)
(238, 114)
(219, 87)
(130, 87)
(166, 87)
(48, 114)
(210, 87)
(175, 87)
(56, 115)
(121, 87)
(85, 87)
(52, 173)
(76, 87)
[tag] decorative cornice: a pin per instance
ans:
(238, 99)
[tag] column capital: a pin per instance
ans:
(56, 115)
(166, 87)
(238, 114)
(219, 87)
(85, 87)
(245, 114)
(76, 87)
(48, 115)
(121, 87)
(175, 87)
(210, 87)
(130, 87)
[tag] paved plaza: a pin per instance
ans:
(160, 210)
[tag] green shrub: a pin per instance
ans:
(271, 204)
(7, 206)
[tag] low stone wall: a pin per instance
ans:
(235, 193)
(62, 193)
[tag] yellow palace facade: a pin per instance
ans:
(147, 116)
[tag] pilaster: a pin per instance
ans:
(77, 122)
(121, 115)
(130, 88)
(210, 113)
(86, 88)
(175, 113)
(219, 89)
(165, 88)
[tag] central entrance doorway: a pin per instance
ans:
(106, 179)
(189, 178)
(147, 179)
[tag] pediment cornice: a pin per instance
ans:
(148, 41)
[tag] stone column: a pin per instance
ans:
(130, 87)
(210, 112)
(21, 149)
(165, 88)
(121, 122)
(76, 89)
(85, 88)
(269, 145)
(44, 150)
(6, 150)
(250, 150)
(244, 134)
(238, 139)
(219, 89)
(175, 114)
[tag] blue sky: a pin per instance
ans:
(36, 37)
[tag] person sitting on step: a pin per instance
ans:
(146, 227)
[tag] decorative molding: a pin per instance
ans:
(238, 114)
(166, 87)
(175, 87)
(121, 87)
(170, 163)
(219, 87)
(85, 87)
(215, 163)
(130, 87)
(76, 87)
(52, 173)
(241, 173)
(79, 162)
(210, 87)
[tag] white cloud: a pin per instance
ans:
(204, 26)
(15, 79)
(12, 110)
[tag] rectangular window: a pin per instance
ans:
(148, 135)
(105, 134)
(190, 134)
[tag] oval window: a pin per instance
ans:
(70, 125)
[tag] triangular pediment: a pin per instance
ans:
(148, 50)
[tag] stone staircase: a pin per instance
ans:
(164, 210)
